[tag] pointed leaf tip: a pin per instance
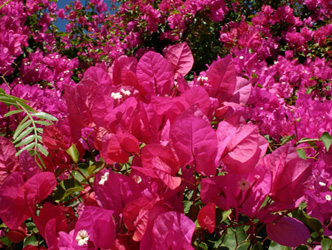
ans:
(327, 140)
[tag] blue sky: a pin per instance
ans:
(62, 3)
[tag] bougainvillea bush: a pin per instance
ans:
(167, 125)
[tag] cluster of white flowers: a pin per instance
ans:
(118, 95)
(202, 78)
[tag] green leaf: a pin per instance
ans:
(43, 123)
(91, 169)
(71, 191)
(66, 188)
(286, 139)
(244, 246)
(326, 244)
(27, 147)
(186, 206)
(23, 124)
(225, 214)
(302, 247)
(13, 112)
(42, 149)
(301, 153)
(313, 223)
(30, 240)
(26, 140)
(326, 139)
(230, 240)
(43, 115)
(73, 152)
(276, 246)
(6, 241)
(23, 134)
(203, 245)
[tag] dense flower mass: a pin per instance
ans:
(166, 125)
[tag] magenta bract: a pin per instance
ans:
(181, 58)
(290, 174)
(195, 141)
(288, 232)
(155, 74)
(8, 161)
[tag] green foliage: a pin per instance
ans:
(326, 139)
(27, 135)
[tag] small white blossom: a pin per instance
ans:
(322, 184)
(137, 179)
(82, 237)
(104, 178)
(244, 185)
(36, 69)
(125, 92)
(328, 197)
(241, 57)
(116, 95)
(202, 78)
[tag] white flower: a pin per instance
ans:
(241, 57)
(322, 184)
(244, 185)
(202, 78)
(116, 95)
(137, 179)
(104, 178)
(82, 237)
(125, 92)
(328, 197)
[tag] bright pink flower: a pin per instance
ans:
(207, 216)
(35, 190)
(8, 161)
(194, 141)
(155, 74)
(222, 77)
(172, 230)
(241, 147)
(11, 212)
(94, 228)
(113, 191)
(162, 163)
(290, 175)
(288, 231)
(180, 57)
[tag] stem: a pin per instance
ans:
(194, 200)
(74, 199)
(307, 141)
(85, 178)
(5, 4)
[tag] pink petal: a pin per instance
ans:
(195, 142)
(181, 58)
(8, 160)
(36, 189)
(155, 73)
(288, 232)
(207, 216)
(172, 230)
(222, 77)
(10, 211)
